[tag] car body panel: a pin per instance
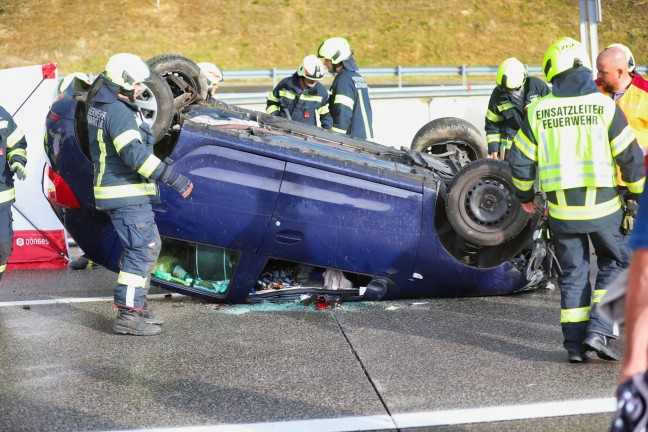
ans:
(269, 189)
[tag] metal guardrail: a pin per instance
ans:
(399, 72)
(400, 91)
(377, 93)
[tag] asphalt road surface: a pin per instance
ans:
(475, 364)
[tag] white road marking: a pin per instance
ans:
(414, 420)
(74, 300)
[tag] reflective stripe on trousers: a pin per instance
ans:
(579, 313)
(137, 231)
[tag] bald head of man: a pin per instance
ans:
(612, 66)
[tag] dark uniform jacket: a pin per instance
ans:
(121, 146)
(13, 148)
(572, 84)
(288, 100)
(350, 105)
(507, 110)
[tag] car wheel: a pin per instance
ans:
(481, 204)
(156, 102)
(183, 76)
(441, 136)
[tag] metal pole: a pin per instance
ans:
(400, 77)
(583, 24)
(594, 16)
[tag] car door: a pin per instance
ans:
(345, 222)
(232, 201)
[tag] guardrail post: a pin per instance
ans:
(400, 76)
(274, 77)
(463, 75)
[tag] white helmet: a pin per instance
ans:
(69, 78)
(628, 53)
(311, 68)
(211, 72)
(126, 70)
(336, 49)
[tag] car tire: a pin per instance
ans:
(157, 105)
(183, 76)
(435, 136)
(481, 204)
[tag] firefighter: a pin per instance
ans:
(125, 171)
(213, 75)
(349, 103)
(300, 96)
(574, 139)
(507, 106)
(13, 159)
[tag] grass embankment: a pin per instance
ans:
(252, 34)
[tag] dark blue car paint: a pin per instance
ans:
(288, 197)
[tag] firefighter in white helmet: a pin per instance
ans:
(213, 75)
(125, 175)
(349, 104)
(301, 97)
(507, 106)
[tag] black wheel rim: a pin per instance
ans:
(488, 203)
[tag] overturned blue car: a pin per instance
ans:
(281, 209)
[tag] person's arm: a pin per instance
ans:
(635, 357)
(342, 104)
(627, 153)
(273, 104)
(15, 142)
(522, 160)
(127, 139)
(326, 120)
(492, 128)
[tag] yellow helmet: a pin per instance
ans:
(628, 53)
(311, 68)
(564, 54)
(511, 74)
(336, 49)
(126, 70)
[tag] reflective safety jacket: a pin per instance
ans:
(13, 148)
(574, 139)
(634, 103)
(121, 146)
(507, 110)
(350, 105)
(289, 100)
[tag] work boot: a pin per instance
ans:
(128, 321)
(80, 263)
(578, 356)
(602, 345)
(150, 316)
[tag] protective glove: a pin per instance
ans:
(629, 214)
(179, 183)
(19, 169)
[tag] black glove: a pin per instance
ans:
(629, 214)
(179, 183)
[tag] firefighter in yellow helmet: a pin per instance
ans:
(573, 140)
(514, 92)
